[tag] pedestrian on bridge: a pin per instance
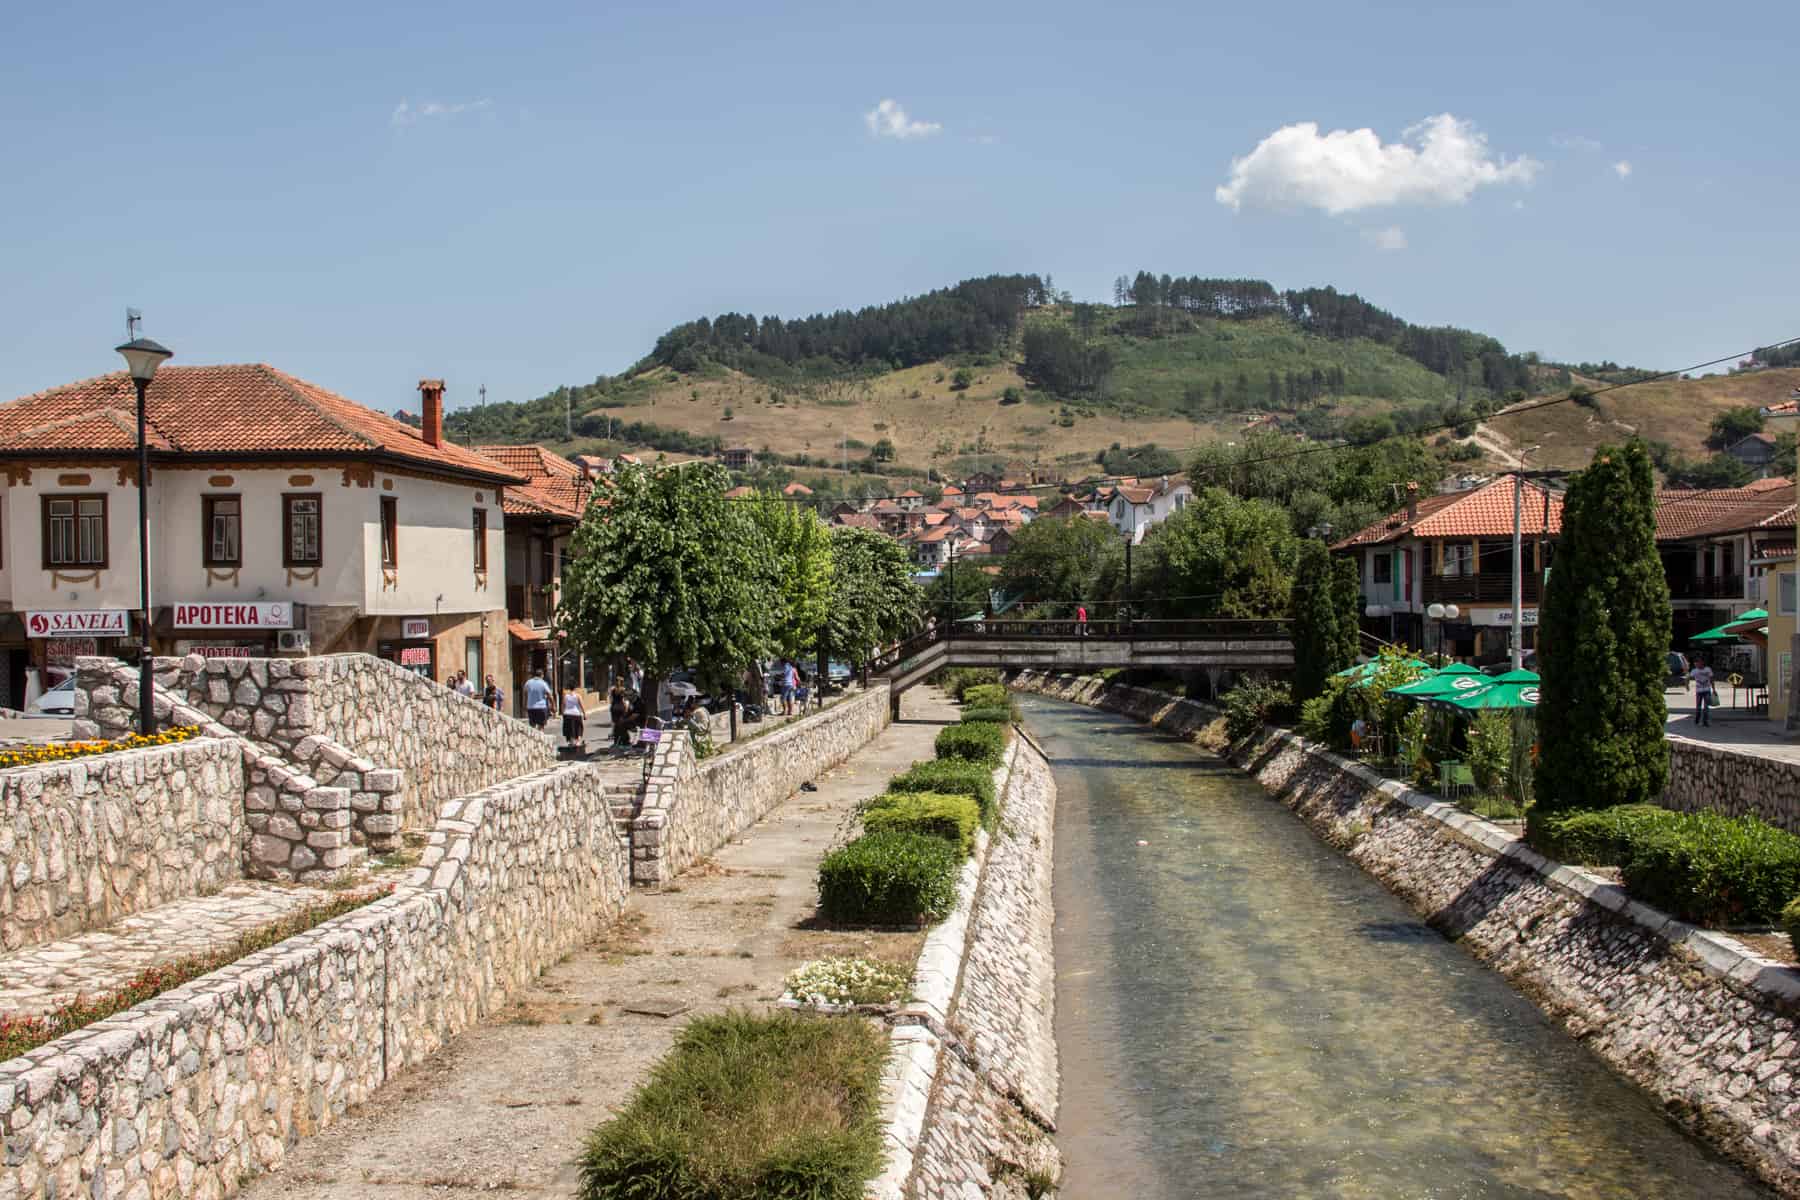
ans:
(1081, 620)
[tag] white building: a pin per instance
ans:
(282, 518)
(1134, 506)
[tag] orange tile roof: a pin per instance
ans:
(1774, 483)
(553, 487)
(220, 411)
(796, 489)
(1688, 513)
(1485, 511)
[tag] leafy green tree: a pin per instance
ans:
(1219, 556)
(1605, 630)
(1317, 644)
(666, 571)
(799, 546)
(883, 451)
(961, 379)
(958, 593)
(873, 597)
(1059, 561)
(1734, 424)
(1346, 597)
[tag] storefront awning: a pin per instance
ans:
(527, 633)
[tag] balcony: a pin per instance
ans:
(1486, 588)
(530, 604)
(1707, 587)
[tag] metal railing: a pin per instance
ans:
(1707, 587)
(1492, 587)
(1112, 630)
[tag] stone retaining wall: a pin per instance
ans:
(1705, 776)
(970, 1094)
(200, 1089)
(90, 840)
(1696, 1019)
(691, 808)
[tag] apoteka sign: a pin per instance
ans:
(91, 622)
(272, 614)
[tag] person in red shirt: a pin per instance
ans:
(1081, 620)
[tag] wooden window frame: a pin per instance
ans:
(479, 530)
(287, 529)
(390, 532)
(1376, 563)
(208, 509)
(105, 559)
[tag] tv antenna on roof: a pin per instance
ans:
(133, 318)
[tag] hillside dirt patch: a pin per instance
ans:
(506, 1106)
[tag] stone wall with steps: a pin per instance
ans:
(1740, 784)
(690, 807)
(1699, 1021)
(90, 840)
(204, 1087)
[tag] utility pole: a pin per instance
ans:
(1518, 579)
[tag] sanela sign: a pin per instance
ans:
(278, 614)
(92, 622)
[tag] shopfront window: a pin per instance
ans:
(223, 527)
(302, 531)
(74, 531)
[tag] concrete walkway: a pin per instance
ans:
(35, 979)
(506, 1106)
(1745, 730)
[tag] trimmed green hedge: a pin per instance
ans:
(891, 878)
(751, 1106)
(1716, 870)
(952, 777)
(949, 817)
(993, 714)
(957, 680)
(1790, 924)
(981, 742)
(1596, 837)
(985, 694)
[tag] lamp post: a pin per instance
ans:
(1441, 613)
(143, 356)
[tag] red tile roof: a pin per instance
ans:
(857, 520)
(219, 411)
(796, 489)
(1774, 483)
(1689, 513)
(1485, 511)
(553, 487)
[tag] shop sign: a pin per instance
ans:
(1526, 616)
(62, 652)
(220, 649)
(415, 628)
(273, 614)
(90, 622)
(415, 656)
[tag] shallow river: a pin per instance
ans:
(1242, 1012)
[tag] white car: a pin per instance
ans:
(58, 702)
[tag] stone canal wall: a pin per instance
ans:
(1695, 1018)
(691, 807)
(1703, 776)
(971, 1091)
(198, 1090)
(90, 840)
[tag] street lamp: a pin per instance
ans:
(142, 357)
(1441, 613)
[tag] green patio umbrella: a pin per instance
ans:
(1364, 671)
(1729, 630)
(1515, 689)
(1445, 681)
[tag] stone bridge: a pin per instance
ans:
(1087, 646)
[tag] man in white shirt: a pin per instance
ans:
(1702, 679)
(537, 700)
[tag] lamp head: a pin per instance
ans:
(1435, 612)
(1451, 612)
(143, 356)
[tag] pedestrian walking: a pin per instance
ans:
(1702, 677)
(790, 681)
(619, 709)
(537, 700)
(490, 695)
(464, 685)
(1081, 620)
(574, 715)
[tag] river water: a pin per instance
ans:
(1242, 1013)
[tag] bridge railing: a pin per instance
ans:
(1110, 629)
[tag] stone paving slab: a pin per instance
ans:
(36, 979)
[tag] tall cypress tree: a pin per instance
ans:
(1346, 597)
(1316, 638)
(1605, 631)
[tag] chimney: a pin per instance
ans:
(431, 398)
(1412, 502)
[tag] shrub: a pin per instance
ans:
(759, 1107)
(958, 679)
(951, 777)
(1255, 703)
(849, 981)
(952, 818)
(1490, 750)
(1790, 924)
(1595, 837)
(1715, 870)
(996, 714)
(986, 695)
(891, 878)
(982, 742)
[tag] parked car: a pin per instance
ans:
(1676, 672)
(58, 702)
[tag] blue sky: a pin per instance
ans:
(522, 196)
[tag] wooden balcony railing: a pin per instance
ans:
(1706, 587)
(531, 605)
(1486, 588)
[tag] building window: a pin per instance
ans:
(74, 531)
(480, 529)
(390, 532)
(223, 525)
(1384, 568)
(1786, 591)
(1459, 559)
(302, 531)
(472, 659)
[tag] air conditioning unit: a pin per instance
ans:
(294, 641)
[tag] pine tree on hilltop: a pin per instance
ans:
(1605, 631)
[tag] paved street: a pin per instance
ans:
(1741, 729)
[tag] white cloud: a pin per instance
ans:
(1441, 160)
(1575, 141)
(1622, 169)
(1391, 238)
(889, 120)
(406, 113)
